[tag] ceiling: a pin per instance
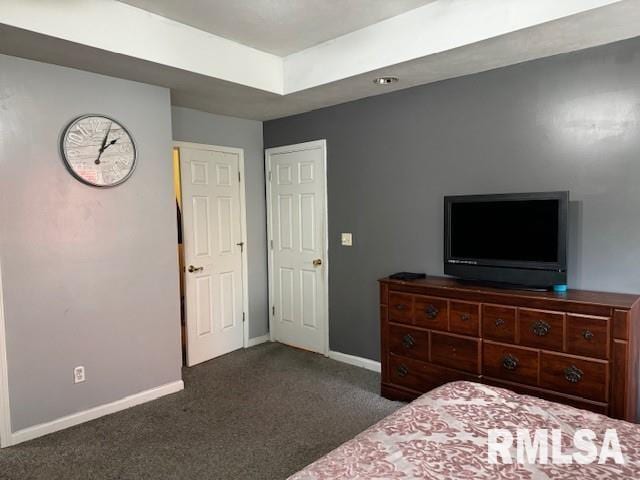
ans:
(280, 27)
(440, 40)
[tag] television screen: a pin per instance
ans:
(524, 230)
(516, 238)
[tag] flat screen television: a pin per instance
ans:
(517, 239)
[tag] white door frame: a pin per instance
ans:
(322, 144)
(243, 226)
(6, 439)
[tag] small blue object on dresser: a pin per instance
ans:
(560, 288)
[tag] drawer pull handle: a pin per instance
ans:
(408, 341)
(401, 306)
(587, 335)
(541, 328)
(431, 311)
(509, 362)
(573, 374)
(499, 322)
(465, 317)
(402, 371)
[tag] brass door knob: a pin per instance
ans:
(317, 262)
(193, 269)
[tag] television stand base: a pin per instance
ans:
(502, 285)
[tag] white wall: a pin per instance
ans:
(90, 276)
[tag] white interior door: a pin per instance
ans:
(297, 230)
(213, 247)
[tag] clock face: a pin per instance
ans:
(98, 151)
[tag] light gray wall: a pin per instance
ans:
(90, 275)
(200, 127)
(569, 122)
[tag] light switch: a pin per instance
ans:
(347, 239)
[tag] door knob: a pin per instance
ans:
(317, 262)
(193, 269)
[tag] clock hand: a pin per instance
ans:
(112, 142)
(104, 142)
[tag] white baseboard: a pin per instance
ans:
(93, 413)
(252, 342)
(357, 361)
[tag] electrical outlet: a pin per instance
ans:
(78, 375)
(347, 239)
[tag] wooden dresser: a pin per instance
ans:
(580, 348)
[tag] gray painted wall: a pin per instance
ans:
(90, 276)
(567, 122)
(199, 127)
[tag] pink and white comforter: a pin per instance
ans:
(443, 435)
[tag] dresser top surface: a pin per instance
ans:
(451, 285)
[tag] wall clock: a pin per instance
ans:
(98, 150)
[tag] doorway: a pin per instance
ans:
(298, 242)
(213, 264)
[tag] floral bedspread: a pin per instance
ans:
(443, 435)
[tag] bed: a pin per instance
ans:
(443, 435)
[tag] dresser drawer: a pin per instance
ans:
(400, 307)
(409, 342)
(588, 336)
(457, 352)
(408, 373)
(510, 363)
(499, 323)
(420, 376)
(582, 404)
(541, 329)
(464, 318)
(431, 313)
(574, 376)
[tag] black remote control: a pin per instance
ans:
(407, 276)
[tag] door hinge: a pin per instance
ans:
(243, 317)
(238, 176)
(269, 176)
(273, 311)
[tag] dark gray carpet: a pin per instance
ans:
(261, 413)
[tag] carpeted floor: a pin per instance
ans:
(261, 413)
